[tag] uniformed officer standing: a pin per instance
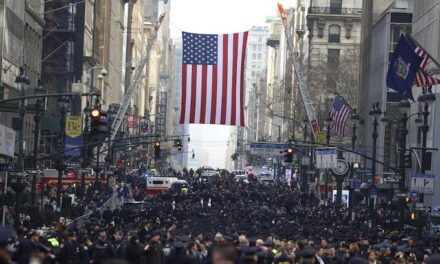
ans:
(7, 242)
(101, 250)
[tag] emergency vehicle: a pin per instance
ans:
(157, 185)
(70, 178)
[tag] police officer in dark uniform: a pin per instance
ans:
(154, 250)
(72, 252)
(101, 250)
(67, 251)
(249, 255)
(7, 245)
(178, 255)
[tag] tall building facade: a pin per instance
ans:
(332, 51)
(21, 31)
(180, 159)
(255, 67)
(385, 33)
(426, 30)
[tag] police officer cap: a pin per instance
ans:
(156, 233)
(179, 244)
(249, 251)
(7, 236)
(307, 252)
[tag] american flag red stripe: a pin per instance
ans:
(422, 78)
(213, 79)
(340, 114)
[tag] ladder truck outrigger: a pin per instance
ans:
(303, 90)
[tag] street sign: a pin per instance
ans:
(269, 149)
(422, 183)
(6, 167)
(326, 158)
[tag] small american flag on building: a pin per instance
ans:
(422, 78)
(340, 114)
(213, 78)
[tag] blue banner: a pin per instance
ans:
(73, 146)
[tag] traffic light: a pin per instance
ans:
(413, 216)
(178, 144)
(288, 156)
(234, 156)
(157, 149)
(98, 123)
(407, 160)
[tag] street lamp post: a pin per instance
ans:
(63, 104)
(38, 105)
(355, 118)
(375, 112)
(403, 106)
(428, 98)
(22, 83)
(329, 121)
(305, 176)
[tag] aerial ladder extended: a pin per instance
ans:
(303, 90)
(119, 118)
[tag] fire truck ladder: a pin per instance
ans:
(119, 118)
(303, 90)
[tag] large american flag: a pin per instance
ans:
(213, 78)
(340, 114)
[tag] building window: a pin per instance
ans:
(259, 56)
(333, 65)
(334, 34)
(254, 56)
(335, 6)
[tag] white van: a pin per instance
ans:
(157, 185)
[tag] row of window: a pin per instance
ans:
(257, 56)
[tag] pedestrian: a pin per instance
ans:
(154, 252)
(133, 250)
(7, 245)
(101, 250)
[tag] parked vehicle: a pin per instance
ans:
(241, 178)
(157, 185)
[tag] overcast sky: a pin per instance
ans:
(217, 16)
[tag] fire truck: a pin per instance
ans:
(69, 178)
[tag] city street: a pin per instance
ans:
(219, 132)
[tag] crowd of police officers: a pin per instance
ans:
(221, 221)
